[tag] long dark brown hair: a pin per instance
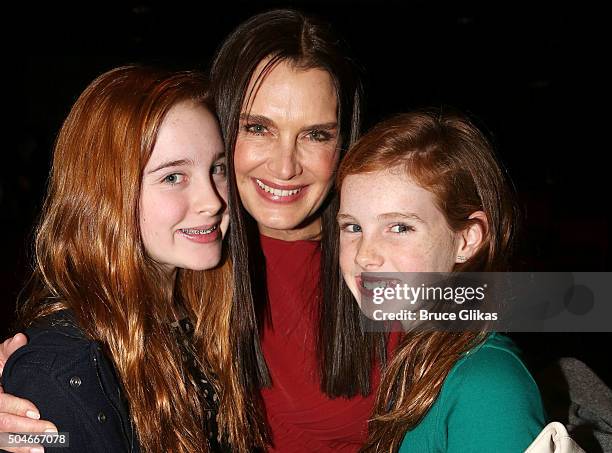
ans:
(444, 153)
(90, 258)
(345, 353)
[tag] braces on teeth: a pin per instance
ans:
(377, 284)
(192, 231)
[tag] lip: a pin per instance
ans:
(275, 198)
(360, 279)
(202, 238)
(362, 289)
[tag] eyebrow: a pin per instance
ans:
(340, 217)
(172, 163)
(323, 126)
(386, 216)
(401, 215)
(265, 121)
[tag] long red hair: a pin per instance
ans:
(447, 155)
(89, 258)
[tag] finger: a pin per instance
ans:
(16, 342)
(9, 346)
(10, 423)
(31, 449)
(14, 405)
(11, 445)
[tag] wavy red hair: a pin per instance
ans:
(446, 154)
(89, 258)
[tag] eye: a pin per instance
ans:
(401, 228)
(256, 129)
(174, 178)
(350, 228)
(318, 135)
(219, 169)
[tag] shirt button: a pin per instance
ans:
(75, 382)
(101, 417)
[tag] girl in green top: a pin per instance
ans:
(423, 192)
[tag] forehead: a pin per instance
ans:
(376, 193)
(189, 130)
(286, 89)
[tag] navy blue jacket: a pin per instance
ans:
(74, 385)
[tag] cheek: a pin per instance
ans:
(346, 255)
(147, 218)
(148, 231)
(412, 262)
(222, 189)
(443, 253)
(247, 156)
(429, 254)
(323, 164)
(224, 223)
(159, 214)
(413, 255)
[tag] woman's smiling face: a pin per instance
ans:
(287, 148)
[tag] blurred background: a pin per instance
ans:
(530, 74)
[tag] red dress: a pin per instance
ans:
(301, 417)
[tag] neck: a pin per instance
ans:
(306, 232)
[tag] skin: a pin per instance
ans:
(184, 190)
(288, 139)
(404, 231)
(183, 187)
(18, 414)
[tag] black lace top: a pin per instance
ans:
(208, 395)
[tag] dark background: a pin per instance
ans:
(531, 74)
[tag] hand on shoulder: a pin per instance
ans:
(18, 414)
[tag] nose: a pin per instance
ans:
(207, 199)
(368, 256)
(283, 162)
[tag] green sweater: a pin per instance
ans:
(488, 403)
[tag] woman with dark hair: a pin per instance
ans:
(288, 100)
(118, 312)
(442, 205)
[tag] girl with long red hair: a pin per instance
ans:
(442, 205)
(118, 310)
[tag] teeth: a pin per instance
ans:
(277, 192)
(375, 284)
(193, 231)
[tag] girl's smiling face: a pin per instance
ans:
(184, 191)
(390, 224)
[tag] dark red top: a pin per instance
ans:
(301, 417)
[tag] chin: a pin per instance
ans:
(282, 217)
(280, 223)
(200, 264)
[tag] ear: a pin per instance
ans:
(471, 238)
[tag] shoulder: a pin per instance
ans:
(73, 384)
(493, 366)
(54, 343)
(489, 400)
